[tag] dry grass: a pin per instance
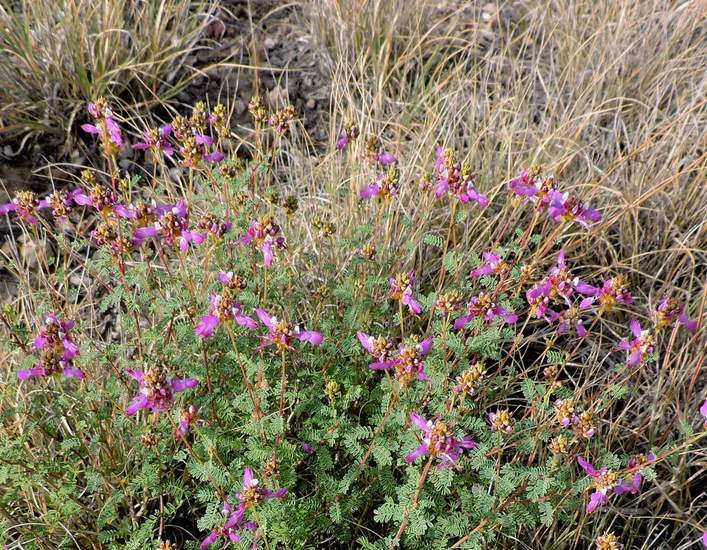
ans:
(56, 55)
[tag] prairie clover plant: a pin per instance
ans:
(456, 391)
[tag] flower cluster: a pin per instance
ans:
(485, 306)
(501, 421)
(583, 424)
(156, 389)
(251, 495)
(408, 362)
(105, 127)
(542, 191)
(492, 265)
(349, 134)
(282, 334)
(470, 380)
(264, 235)
(456, 178)
(187, 418)
(438, 441)
(607, 481)
(224, 307)
(375, 153)
(385, 187)
(401, 289)
(640, 347)
(56, 350)
(671, 311)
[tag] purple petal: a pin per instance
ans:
(365, 340)
(480, 271)
(422, 450)
(216, 156)
(210, 539)
(311, 336)
(380, 365)
(7, 207)
(247, 477)
(413, 305)
(426, 345)
(203, 139)
(635, 328)
(245, 321)
(689, 323)
(136, 375)
(81, 198)
(370, 191)
(703, 409)
(387, 158)
(278, 493)
(30, 373)
(265, 318)
(588, 467)
(462, 322)
(181, 384)
(140, 402)
(73, 372)
(266, 248)
(206, 326)
(419, 421)
(634, 358)
(90, 128)
(596, 500)
(144, 232)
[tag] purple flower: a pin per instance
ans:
(703, 411)
(438, 441)
(604, 481)
(235, 521)
(224, 307)
(105, 127)
(253, 493)
(564, 207)
(613, 291)
(342, 141)
(558, 286)
(307, 448)
(25, 206)
(567, 319)
(264, 235)
(282, 334)
(385, 187)
(401, 289)
(379, 347)
(60, 204)
(157, 140)
(485, 307)
(156, 389)
(526, 185)
(186, 420)
(172, 226)
(455, 178)
(639, 347)
(56, 351)
(409, 363)
(704, 539)
(492, 264)
(670, 311)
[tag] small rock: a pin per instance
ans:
(311, 104)
(239, 107)
(269, 43)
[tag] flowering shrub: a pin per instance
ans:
(289, 398)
